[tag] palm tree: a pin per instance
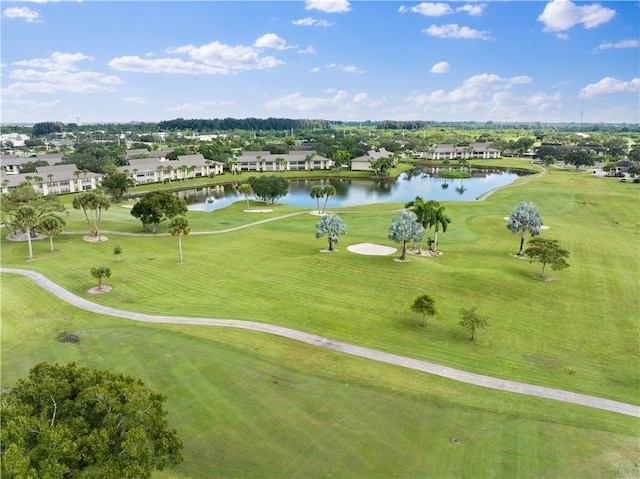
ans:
(327, 191)
(99, 273)
(425, 305)
(184, 169)
(332, 226)
(524, 218)
(281, 162)
(77, 174)
(51, 225)
(424, 212)
(317, 192)
(246, 190)
(160, 170)
(179, 226)
(25, 219)
(170, 170)
(439, 218)
(308, 160)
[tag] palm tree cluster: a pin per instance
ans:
(430, 214)
(325, 192)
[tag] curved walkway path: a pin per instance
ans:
(444, 371)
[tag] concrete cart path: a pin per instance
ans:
(431, 368)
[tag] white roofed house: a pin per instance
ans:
(477, 150)
(57, 179)
(263, 161)
(363, 163)
(154, 170)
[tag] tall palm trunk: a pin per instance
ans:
(404, 250)
(521, 252)
(29, 241)
(180, 248)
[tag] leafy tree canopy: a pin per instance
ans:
(71, 421)
(547, 251)
(579, 158)
(270, 188)
(156, 207)
(23, 195)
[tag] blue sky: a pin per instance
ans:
(105, 61)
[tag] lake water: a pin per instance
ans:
(356, 192)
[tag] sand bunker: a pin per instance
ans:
(371, 249)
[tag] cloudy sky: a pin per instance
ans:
(108, 61)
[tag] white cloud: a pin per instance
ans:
(442, 67)
(24, 13)
(473, 88)
(311, 22)
(33, 81)
(271, 40)
(562, 36)
(315, 70)
(57, 73)
(609, 86)
(345, 68)
(226, 57)
(474, 10)
(560, 15)
(631, 43)
(428, 9)
(328, 6)
(134, 99)
(308, 51)
(455, 31)
(56, 61)
(440, 9)
(164, 65)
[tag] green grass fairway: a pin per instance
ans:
(252, 405)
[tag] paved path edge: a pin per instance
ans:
(416, 364)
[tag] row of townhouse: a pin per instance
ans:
(154, 170)
(477, 150)
(295, 160)
(57, 179)
(66, 178)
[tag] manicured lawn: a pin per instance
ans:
(253, 405)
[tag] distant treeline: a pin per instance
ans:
(230, 124)
(287, 125)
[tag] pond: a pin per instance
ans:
(356, 192)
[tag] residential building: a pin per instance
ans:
(477, 150)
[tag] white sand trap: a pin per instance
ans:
(257, 211)
(371, 249)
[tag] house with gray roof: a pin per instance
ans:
(477, 150)
(262, 161)
(363, 163)
(57, 179)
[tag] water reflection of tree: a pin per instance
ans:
(413, 173)
(461, 189)
(382, 186)
(445, 184)
(342, 187)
